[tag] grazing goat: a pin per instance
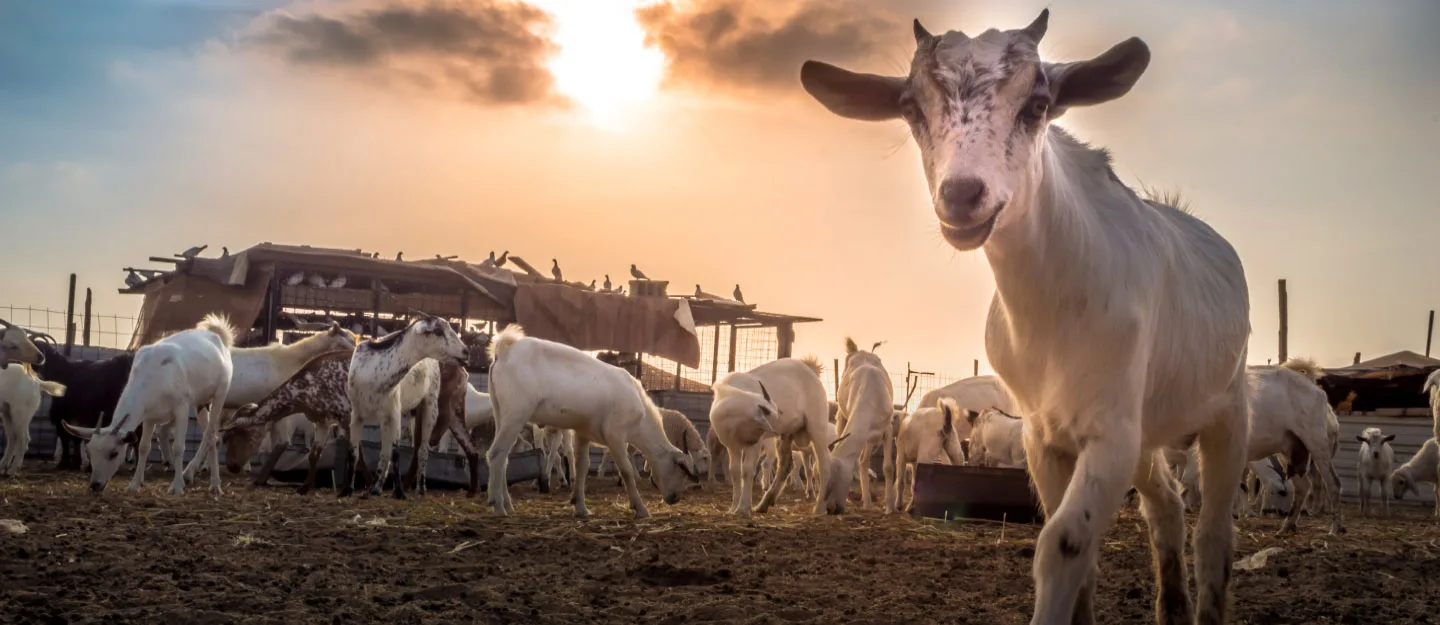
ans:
(996, 439)
(377, 371)
(1421, 468)
(1289, 415)
(20, 394)
(1185, 466)
(682, 434)
(93, 388)
(16, 346)
(316, 391)
(925, 435)
(866, 400)
(783, 398)
(454, 397)
(1118, 324)
(556, 455)
(972, 395)
(180, 375)
(1377, 458)
(550, 384)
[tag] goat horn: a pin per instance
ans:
(921, 35)
(1036, 29)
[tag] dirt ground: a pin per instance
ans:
(271, 556)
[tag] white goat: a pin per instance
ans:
(1377, 458)
(1289, 415)
(782, 398)
(16, 346)
(926, 435)
(20, 394)
(550, 384)
(866, 399)
(997, 439)
(1119, 325)
(1432, 387)
(1421, 468)
(556, 453)
(377, 371)
(169, 381)
(972, 395)
(1185, 465)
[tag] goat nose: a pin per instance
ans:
(960, 198)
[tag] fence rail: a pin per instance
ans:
(104, 330)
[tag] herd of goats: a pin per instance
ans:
(1120, 326)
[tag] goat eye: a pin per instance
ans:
(909, 110)
(1037, 107)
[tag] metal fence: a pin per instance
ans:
(113, 331)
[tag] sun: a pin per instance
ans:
(603, 63)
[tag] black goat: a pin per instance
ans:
(92, 389)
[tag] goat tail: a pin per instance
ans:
(814, 363)
(1432, 381)
(502, 342)
(1304, 366)
(53, 389)
(219, 325)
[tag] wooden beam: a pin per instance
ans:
(715, 356)
(162, 259)
(70, 318)
(1429, 333)
(1284, 323)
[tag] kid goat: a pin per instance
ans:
(1377, 457)
(20, 394)
(1118, 324)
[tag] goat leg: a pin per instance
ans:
(270, 459)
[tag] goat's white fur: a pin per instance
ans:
(1421, 468)
(926, 435)
(866, 398)
(550, 384)
(1289, 415)
(997, 439)
(1432, 387)
(556, 446)
(20, 396)
(168, 382)
(742, 419)
(1376, 460)
(973, 395)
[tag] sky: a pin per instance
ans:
(675, 135)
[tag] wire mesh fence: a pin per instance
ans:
(112, 331)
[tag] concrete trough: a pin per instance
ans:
(945, 491)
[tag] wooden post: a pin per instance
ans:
(715, 356)
(977, 367)
(1429, 333)
(733, 332)
(375, 308)
(272, 308)
(85, 336)
(836, 372)
(785, 335)
(464, 309)
(1284, 323)
(70, 318)
(677, 375)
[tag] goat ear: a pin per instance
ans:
(850, 346)
(971, 415)
(1098, 80)
(1359, 438)
(680, 461)
(866, 97)
(1388, 438)
(764, 392)
(78, 432)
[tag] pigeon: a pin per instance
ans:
(592, 285)
(192, 252)
(492, 257)
(399, 255)
(338, 282)
(133, 280)
(318, 281)
(555, 270)
(224, 252)
(295, 279)
(739, 297)
(635, 271)
(504, 256)
(698, 293)
(607, 283)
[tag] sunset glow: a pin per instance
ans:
(603, 63)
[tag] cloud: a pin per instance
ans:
(487, 50)
(735, 43)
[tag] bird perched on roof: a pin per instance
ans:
(504, 256)
(338, 282)
(699, 294)
(591, 287)
(224, 252)
(375, 255)
(555, 270)
(399, 255)
(318, 281)
(192, 252)
(635, 271)
(739, 297)
(133, 280)
(295, 279)
(607, 283)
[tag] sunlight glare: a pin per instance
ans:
(603, 63)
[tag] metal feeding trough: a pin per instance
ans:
(944, 491)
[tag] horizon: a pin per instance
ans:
(608, 133)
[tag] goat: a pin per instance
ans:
(1080, 262)
(1422, 467)
(16, 346)
(1377, 458)
(1432, 387)
(453, 401)
(996, 439)
(1185, 466)
(682, 434)
(478, 412)
(1289, 415)
(925, 435)
(182, 374)
(377, 369)
(782, 398)
(972, 395)
(93, 388)
(556, 455)
(551, 384)
(20, 394)
(866, 399)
